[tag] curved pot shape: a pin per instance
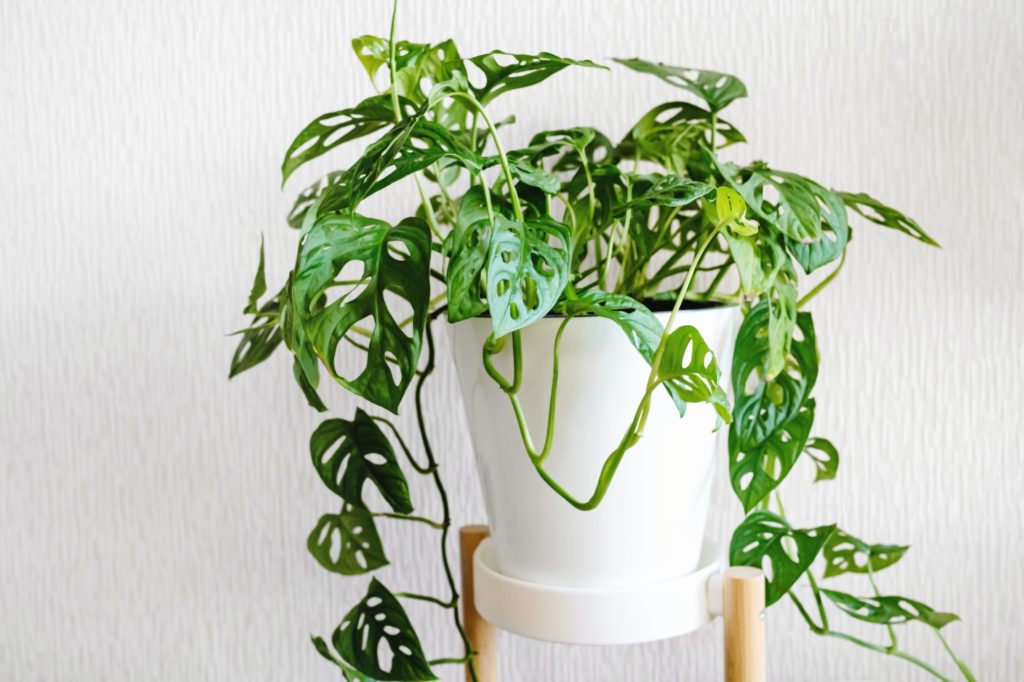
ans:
(650, 526)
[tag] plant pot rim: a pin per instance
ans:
(655, 306)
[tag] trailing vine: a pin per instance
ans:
(572, 225)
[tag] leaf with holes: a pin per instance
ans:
(689, 366)
(763, 407)
(261, 339)
(755, 472)
(310, 195)
(717, 89)
(378, 624)
(672, 132)
(347, 454)
(505, 71)
(889, 610)
(527, 269)
(347, 673)
(782, 318)
(758, 260)
(825, 458)
(330, 130)
(466, 247)
(765, 540)
(880, 214)
(347, 543)
(394, 263)
(668, 190)
(846, 554)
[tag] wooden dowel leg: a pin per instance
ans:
(743, 613)
(482, 635)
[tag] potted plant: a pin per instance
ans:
(602, 299)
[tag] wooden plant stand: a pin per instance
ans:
(741, 607)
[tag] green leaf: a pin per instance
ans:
(392, 269)
(506, 71)
(534, 176)
(689, 365)
(846, 554)
(825, 457)
(330, 130)
(765, 540)
(347, 543)
(889, 610)
(717, 89)
(262, 338)
(308, 387)
(782, 317)
(347, 454)
(756, 471)
(527, 269)
(347, 673)
(310, 195)
(466, 247)
(259, 286)
(379, 621)
(668, 190)
(879, 213)
(670, 133)
(758, 260)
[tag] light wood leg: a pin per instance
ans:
(482, 635)
(743, 612)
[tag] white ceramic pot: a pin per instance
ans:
(650, 526)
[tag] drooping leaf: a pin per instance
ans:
(505, 71)
(347, 673)
(765, 540)
(347, 543)
(376, 623)
(689, 365)
(527, 269)
(309, 196)
(466, 247)
(758, 470)
(825, 458)
(782, 317)
(889, 610)
(394, 263)
(347, 454)
(330, 130)
(668, 190)
(717, 89)
(846, 554)
(877, 212)
(758, 260)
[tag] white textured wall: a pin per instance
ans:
(153, 516)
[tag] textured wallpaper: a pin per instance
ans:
(153, 515)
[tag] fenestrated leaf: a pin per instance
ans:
(846, 554)
(347, 673)
(347, 543)
(877, 212)
(395, 262)
(466, 247)
(756, 471)
(765, 540)
(330, 130)
(758, 260)
(374, 53)
(717, 89)
(782, 317)
(376, 622)
(689, 365)
(763, 407)
(506, 71)
(825, 458)
(309, 196)
(671, 132)
(533, 175)
(347, 454)
(889, 610)
(527, 269)
(668, 190)
(262, 337)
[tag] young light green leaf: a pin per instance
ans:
(527, 269)
(689, 365)
(765, 540)
(505, 71)
(825, 458)
(758, 260)
(376, 624)
(877, 212)
(347, 454)
(846, 554)
(758, 470)
(889, 610)
(392, 261)
(347, 543)
(717, 89)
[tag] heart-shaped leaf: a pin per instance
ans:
(889, 610)
(846, 554)
(378, 624)
(347, 454)
(755, 472)
(347, 673)
(717, 89)
(505, 71)
(347, 543)
(825, 458)
(394, 263)
(765, 540)
(877, 212)
(527, 269)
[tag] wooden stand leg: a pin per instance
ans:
(743, 612)
(482, 635)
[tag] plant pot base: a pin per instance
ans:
(599, 616)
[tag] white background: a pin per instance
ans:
(153, 515)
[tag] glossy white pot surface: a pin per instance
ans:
(650, 526)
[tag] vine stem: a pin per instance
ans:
(822, 284)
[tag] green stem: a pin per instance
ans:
(427, 598)
(422, 469)
(517, 209)
(964, 670)
(450, 661)
(884, 650)
(822, 284)
(409, 517)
